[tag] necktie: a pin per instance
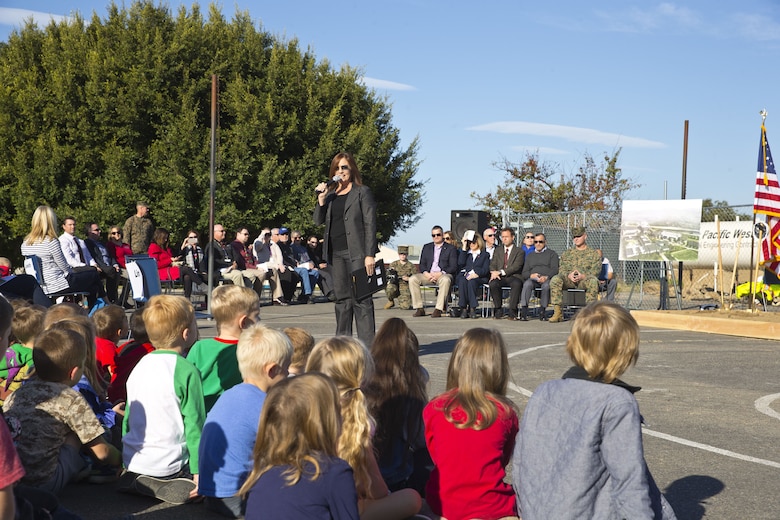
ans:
(506, 257)
(78, 248)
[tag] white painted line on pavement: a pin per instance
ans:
(762, 405)
(519, 389)
(713, 449)
(525, 351)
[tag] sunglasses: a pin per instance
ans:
(434, 235)
(447, 238)
(529, 236)
(116, 233)
(538, 241)
(490, 235)
(344, 168)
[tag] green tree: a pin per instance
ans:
(535, 186)
(97, 115)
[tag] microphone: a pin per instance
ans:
(330, 182)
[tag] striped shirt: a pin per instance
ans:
(54, 266)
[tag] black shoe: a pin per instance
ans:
(473, 314)
(456, 312)
(464, 313)
(512, 315)
(498, 314)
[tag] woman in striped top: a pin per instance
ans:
(57, 277)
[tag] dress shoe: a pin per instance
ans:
(473, 314)
(465, 314)
(419, 312)
(281, 301)
(498, 314)
(436, 313)
(523, 317)
(512, 315)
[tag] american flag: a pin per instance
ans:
(767, 202)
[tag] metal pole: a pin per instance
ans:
(213, 180)
(682, 196)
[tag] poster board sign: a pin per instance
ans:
(660, 230)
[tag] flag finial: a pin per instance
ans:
(763, 114)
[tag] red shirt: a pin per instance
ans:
(128, 356)
(106, 358)
(164, 259)
(468, 478)
(119, 252)
(11, 469)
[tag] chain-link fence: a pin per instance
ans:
(653, 285)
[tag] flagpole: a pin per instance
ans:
(763, 114)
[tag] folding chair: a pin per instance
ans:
(34, 267)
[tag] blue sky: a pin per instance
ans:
(482, 82)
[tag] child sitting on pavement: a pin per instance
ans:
(56, 421)
(128, 355)
(231, 426)
(110, 325)
(234, 308)
(302, 343)
(27, 323)
(164, 413)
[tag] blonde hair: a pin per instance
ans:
(83, 326)
(257, 346)
(302, 343)
(43, 226)
(58, 350)
(300, 423)
(166, 317)
(230, 301)
(347, 361)
(477, 377)
(604, 340)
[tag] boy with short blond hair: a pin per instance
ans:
(110, 325)
(302, 343)
(164, 414)
(15, 363)
(231, 427)
(56, 421)
(234, 308)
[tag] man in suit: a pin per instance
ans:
(506, 268)
(106, 264)
(438, 265)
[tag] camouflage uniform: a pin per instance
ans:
(586, 261)
(48, 412)
(400, 291)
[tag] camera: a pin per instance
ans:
(392, 276)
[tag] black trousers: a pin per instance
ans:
(515, 288)
(347, 307)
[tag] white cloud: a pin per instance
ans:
(386, 85)
(17, 17)
(570, 133)
(636, 20)
(543, 150)
(756, 27)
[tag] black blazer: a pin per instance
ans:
(514, 266)
(359, 221)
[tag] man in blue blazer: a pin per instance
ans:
(438, 265)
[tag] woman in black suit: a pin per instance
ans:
(348, 210)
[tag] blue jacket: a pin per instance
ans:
(480, 265)
(448, 259)
(579, 454)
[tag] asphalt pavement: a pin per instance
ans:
(711, 433)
